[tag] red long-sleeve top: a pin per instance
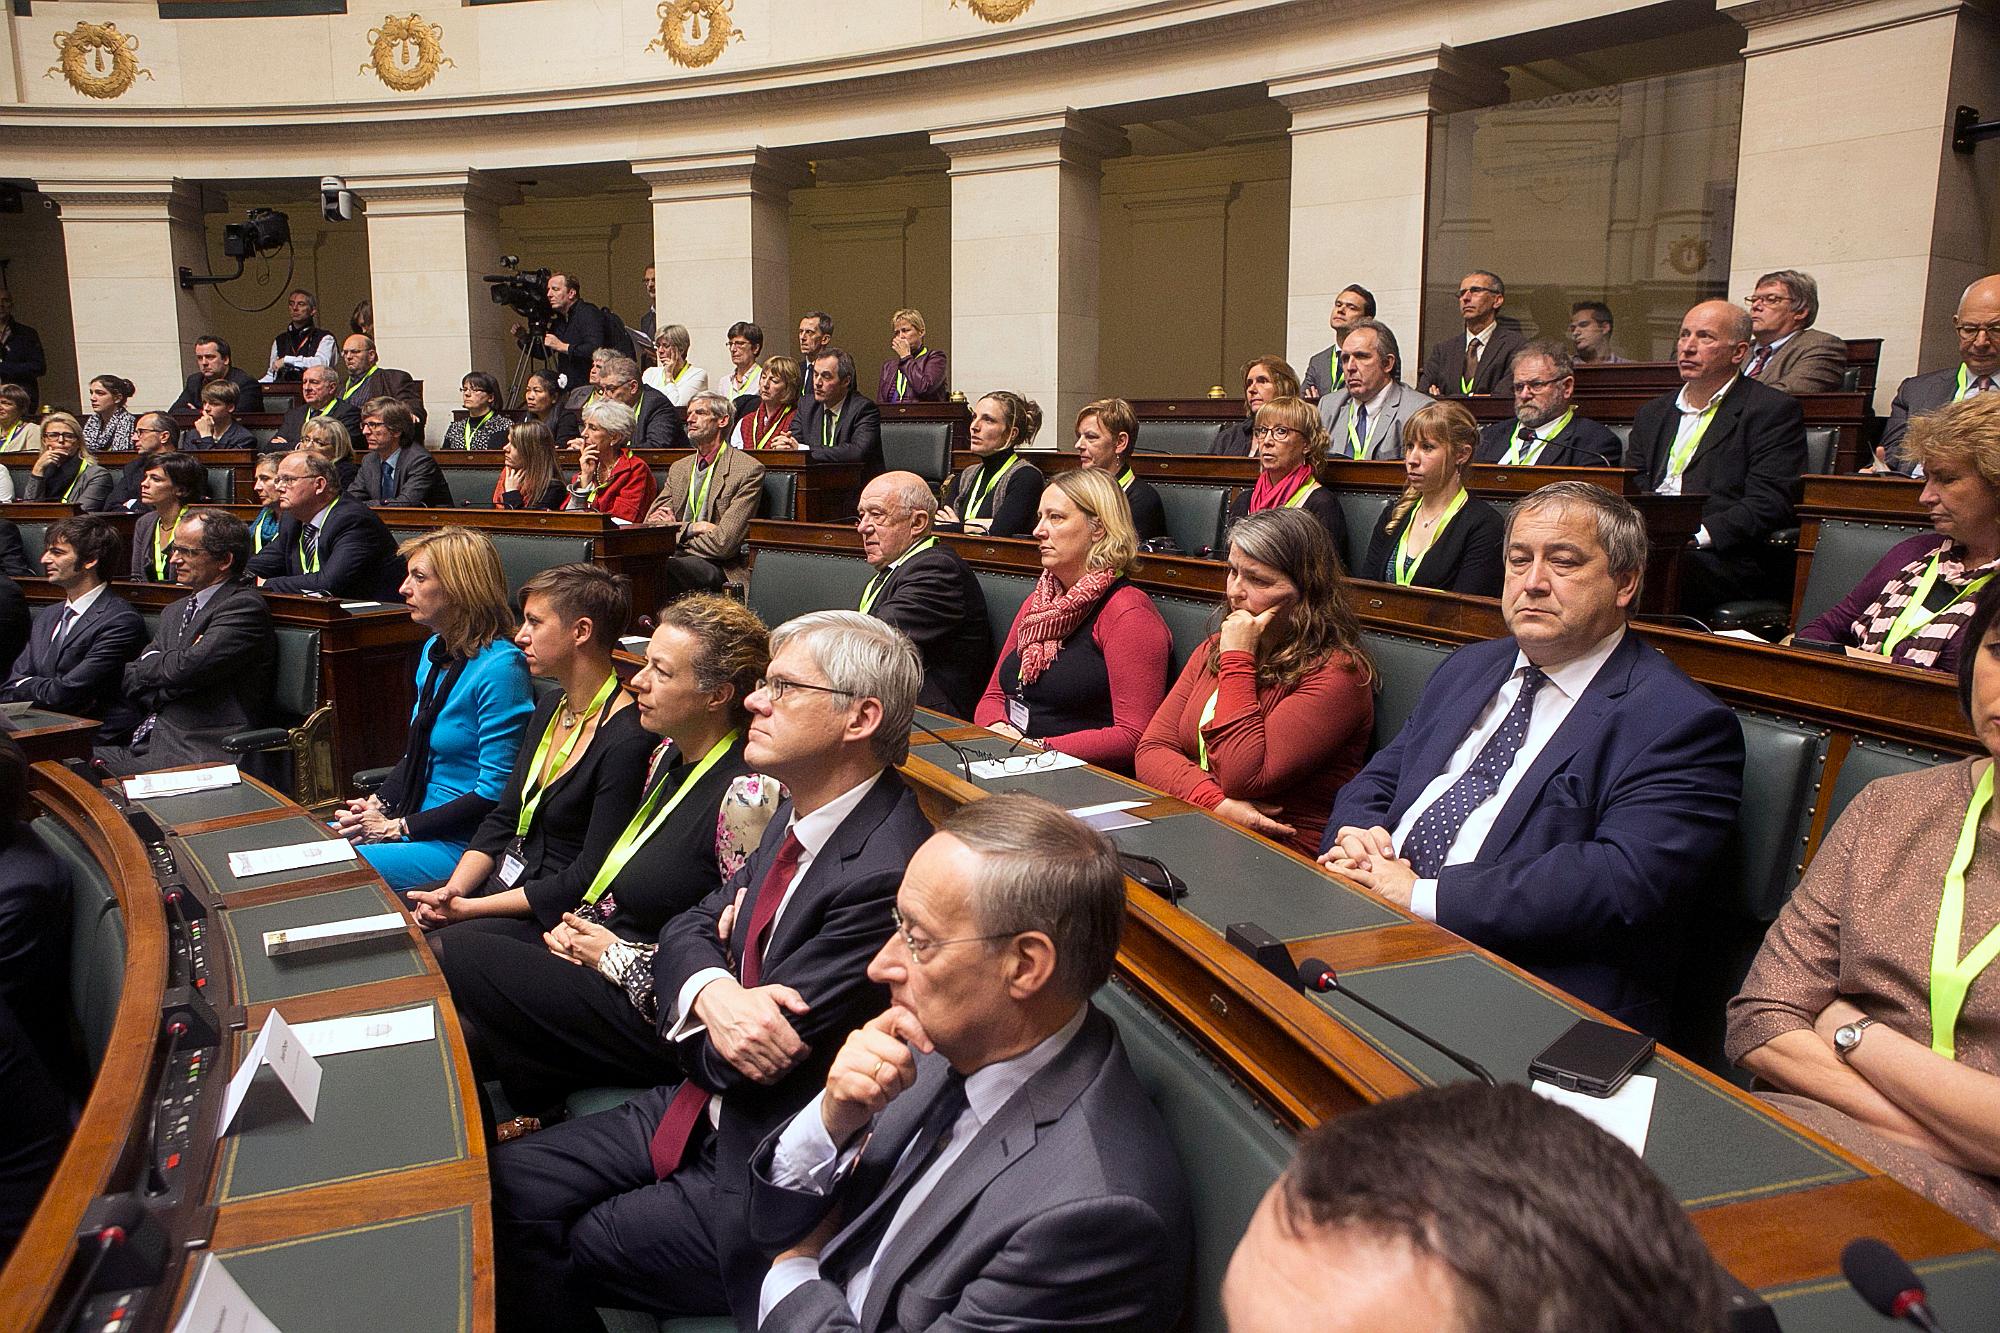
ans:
(627, 493)
(1296, 747)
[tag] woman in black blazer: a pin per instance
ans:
(998, 495)
(1437, 535)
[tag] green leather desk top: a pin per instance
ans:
(212, 851)
(939, 721)
(29, 719)
(1067, 787)
(383, 1110)
(1964, 1291)
(260, 978)
(413, 1275)
(199, 806)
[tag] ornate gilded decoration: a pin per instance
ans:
(98, 60)
(694, 32)
(1689, 254)
(406, 53)
(997, 11)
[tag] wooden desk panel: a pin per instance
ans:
(827, 492)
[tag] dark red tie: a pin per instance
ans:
(676, 1128)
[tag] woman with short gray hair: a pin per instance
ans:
(611, 478)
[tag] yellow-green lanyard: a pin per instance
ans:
(699, 497)
(1406, 568)
(160, 552)
(764, 440)
(82, 471)
(829, 423)
(1298, 499)
(472, 428)
(8, 443)
(1125, 480)
(313, 568)
(1358, 447)
(1965, 382)
(257, 530)
(349, 394)
(1201, 728)
(531, 797)
(1683, 453)
(1513, 457)
(881, 581)
(902, 381)
(1914, 616)
(977, 497)
(1952, 976)
(647, 820)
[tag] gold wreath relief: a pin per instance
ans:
(405, 53)
(693, 32)
(997, 11)
(97, 60)
(1688, 253)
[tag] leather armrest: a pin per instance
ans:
(263, 738)
(371, 779)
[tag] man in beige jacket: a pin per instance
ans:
(711, 495)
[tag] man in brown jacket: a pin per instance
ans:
(712, 495)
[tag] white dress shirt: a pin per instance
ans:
(1690, 421)
(1553, 702)
(806, 1158)
(692, 380)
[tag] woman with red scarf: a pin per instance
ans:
(1084, 667)
(1288, 440)
(777, 400)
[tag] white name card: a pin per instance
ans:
(179, 783)
(1026, 765)
(368, 1032)
(270, 860)
(279, 1047)
(216, 1304)
(1626, 1115)
(326, 935)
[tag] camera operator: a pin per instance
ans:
(577, 329)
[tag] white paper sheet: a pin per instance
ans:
(1046, 761)
(1626, 1114)
(301, 939)
(279, 1047)
(216, 1304)
(368, 1032)
(180, 783)
(1086, 811)
(270, 860)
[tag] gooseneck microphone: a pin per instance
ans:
(965, 756)
(1889, 1285)
(1319, 977)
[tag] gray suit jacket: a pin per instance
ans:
(1319, 374)
(206, 681)
(1067, 1210)
(1809, 362)
(1916, 396)
(1385, 423)
(419, 481)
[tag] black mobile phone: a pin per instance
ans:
(1592, 1057)
(1818, 645)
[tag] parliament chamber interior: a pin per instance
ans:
(999, 664)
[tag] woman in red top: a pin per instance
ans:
(1273, 715)
(611, 478)
(777, 399)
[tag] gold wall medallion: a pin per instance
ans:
(1688, 254)
(406, 53)
(997, 11)
(694, 32)
(97, 60)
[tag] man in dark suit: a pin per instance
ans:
(326, 543)
(398, 469)
(319, 395)
(837, 425)
(1738, 442)
(578, 330)
(207, 673)
(660, 423)
(14, 562)
(212, 363)
(22, 360)
(924, 589)
(1786, 352)
(1546, 431)
(1557, 795)
(1323, 371)
(1365, 419)
(1474, 362)
(13, 619)
(1107, 432)
(78, 647)
(154, 433)
(1011, 1171)
(647, 1206)
(367, 378)
(1977, 323)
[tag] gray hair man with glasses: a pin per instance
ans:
(924, 589)
(1472, 363)
(712, 495)
(646, 1206)
(1546, 431)
(1977, 323)
(1786, 352)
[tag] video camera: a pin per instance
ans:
(526, 294)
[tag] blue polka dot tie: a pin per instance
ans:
(1437, 828)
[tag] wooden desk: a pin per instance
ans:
(50, 737)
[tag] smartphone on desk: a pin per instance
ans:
(1592, 1057)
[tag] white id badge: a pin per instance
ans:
(512, 867)
(1017, 714)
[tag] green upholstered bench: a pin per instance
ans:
(922, 447)
(784, 584)
(300, 726)
(524, 554)
(1403, 666)
(1847, 549)
(34, 534)
(1868, 760)
(96, 941)
(1176, 436)
(780, 498)
(1363, 511)
(471, 487)
(1197, 514)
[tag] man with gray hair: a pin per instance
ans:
(711, 495)
(1546, 431)
(647, 1206)
(923, 588)
(1786, 351)
(990, 1111)
(1557, 795)
(657, 422)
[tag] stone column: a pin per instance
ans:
(1360, 187)
(125, 239)
(431, 237)
(1024, 252)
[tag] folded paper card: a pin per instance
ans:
(182, 781)
(1626, 1115)
(270, 860)
(279, 1047)
(216, 1304)
(328, 934)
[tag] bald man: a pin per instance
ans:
(1739, 443)
(924, 589)
(1977, 323)
(368, 378)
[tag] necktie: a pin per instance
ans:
(1984, 384)
(676, 1127)
(1437, 828)
(309, 543)
(1471, 360)
(1757, 360)
(62, 626)
(1361, 428)
(187, 616)
(931, 1138)
(388, 479)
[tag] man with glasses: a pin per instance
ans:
(78, 647)
(319, 396)
(398, 469)
(154, 433)
(1474, 362)
(1546, 431)
(923, 588)
(1786, 352)
(983, 1154)
(368, 378)
(646, 1207)
(1323, 373)
(657, 422)
(1977, 323)
(326, 543)
(711, 495)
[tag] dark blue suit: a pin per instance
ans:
(1600, 849)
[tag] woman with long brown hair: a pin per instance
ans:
(1437, 535)
(529, 478)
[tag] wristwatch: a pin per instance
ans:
(1848, 1036)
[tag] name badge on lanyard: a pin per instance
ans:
(1017, 714)
(512, 866)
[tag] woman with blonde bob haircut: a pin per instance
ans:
(329, 439)
(473, 702)
(1437, 535)
(1084, 666)
(1289, 442)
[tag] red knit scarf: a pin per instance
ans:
(1268, 494)
(1052, 615)
(763, 421)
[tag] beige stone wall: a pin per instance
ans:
(32, 243)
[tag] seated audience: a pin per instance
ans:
(483, 427)
(1265, 378)
(530, 477)
(64, 472)
(672, 375)
(815, 336)
(673, 832)
(1365, 419)
(153, 435)
(913, 373)
(324, 546)
(923, 588)
(108, 427)
(746, 344)
(1299, 708)
(1737, 442)
(214, 366)
(473, 702)
(264, 481)
(1474, 1209)
(1107, 433)
(1557, 795)
(173, 481)
(543, 398)
(303, 344)
(1083, 1221)
(1861, 1011)
(838, 425)
(1290, 444)
(398, 470)
(1976, 323)
(1911, 607)
(216, 427)
(646, 1207)
(1786, 351)
(1473, 363)
(712, 495)
(1546, 431)
(330, 440)
(1323, 375)
(1084, 665)
(18, 432)
(1590, 334)
(22, 361)
(78, 647)
(207, 673)
(580, 396)
(319, 396)
(657, 422)
(1438, 534)
(368, 379)
(997, 495)
(611, 478)
(777, 404)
